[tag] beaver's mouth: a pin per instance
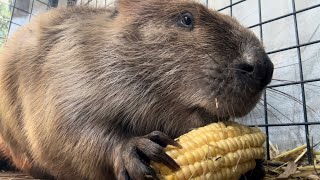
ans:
(223, 108)
(207, 116)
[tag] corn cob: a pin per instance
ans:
(222, 150)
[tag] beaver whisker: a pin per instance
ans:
(292, 98)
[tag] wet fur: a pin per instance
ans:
(77, 84)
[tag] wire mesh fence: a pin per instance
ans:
(289, 111)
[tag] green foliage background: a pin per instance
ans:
(5, 16)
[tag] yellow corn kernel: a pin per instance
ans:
(223, 150)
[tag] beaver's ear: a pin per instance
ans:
(129, 6)
(132, 6)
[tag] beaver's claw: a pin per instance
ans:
(137, 153)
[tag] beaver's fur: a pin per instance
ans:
(84, 92)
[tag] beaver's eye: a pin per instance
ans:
(186, 20)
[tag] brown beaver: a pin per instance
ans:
(96, 93)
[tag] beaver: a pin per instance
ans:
(90, 93)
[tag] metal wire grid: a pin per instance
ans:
(27, 13)
(302, 82)
(15, 9)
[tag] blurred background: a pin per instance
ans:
(289, 111)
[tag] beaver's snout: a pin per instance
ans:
(258, 72)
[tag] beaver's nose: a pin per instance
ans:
(258, 71)
(266, 71)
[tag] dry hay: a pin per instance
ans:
(292, 164)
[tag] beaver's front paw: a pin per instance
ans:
(137, 153)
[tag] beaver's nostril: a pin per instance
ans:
(259, 73)
(244, 68)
